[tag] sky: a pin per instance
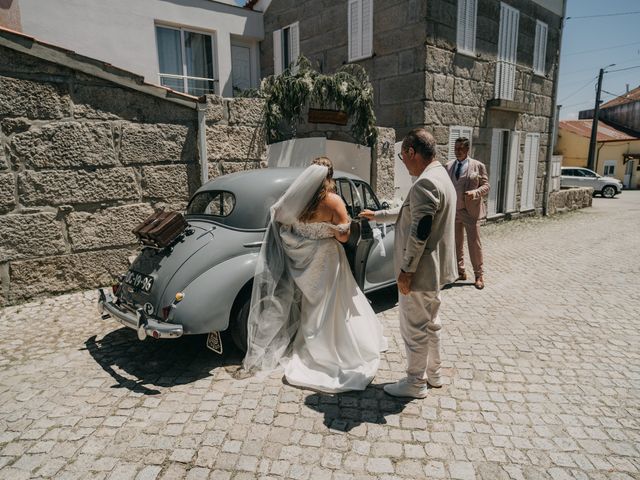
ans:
(589, 44)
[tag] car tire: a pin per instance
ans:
(238, 328)
(609, 191)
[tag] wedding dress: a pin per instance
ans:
(307, 312)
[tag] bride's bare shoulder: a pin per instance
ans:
(333, 200)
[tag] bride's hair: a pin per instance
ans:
(328, 186)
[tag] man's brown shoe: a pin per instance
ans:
(461, 276)
(479, 284)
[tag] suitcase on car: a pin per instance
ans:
(161, 229)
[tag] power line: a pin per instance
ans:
(588, 69)
(600, 49)
(603, 15)
(623, 69)
(579, 90)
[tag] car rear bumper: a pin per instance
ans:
(138, 321)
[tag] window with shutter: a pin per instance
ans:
(360, 26)
(456, 132)
(286, 47)
(540, 48)
(466, 34)
(507, 52)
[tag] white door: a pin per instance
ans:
(530, 171)
(240, 67)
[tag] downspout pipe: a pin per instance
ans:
(554, 120)
(202, 143)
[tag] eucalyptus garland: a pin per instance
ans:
(287, 94)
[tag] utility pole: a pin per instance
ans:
(591, 162)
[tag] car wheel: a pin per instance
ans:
(238, 328)
(609, 191)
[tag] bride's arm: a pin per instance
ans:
(339, 217)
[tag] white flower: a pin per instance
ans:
(308, 82)
(343, 88)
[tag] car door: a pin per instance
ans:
(361, 239)
(380, 272)
(569, 178)
(590, 179)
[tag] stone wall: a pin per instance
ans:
(458, 86)
(396, 70)
(570, 199)
(83, 160)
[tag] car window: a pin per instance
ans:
(215, 203)
(567, 172)
(368, 197)
(578, 173)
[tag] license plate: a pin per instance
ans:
(139, 281)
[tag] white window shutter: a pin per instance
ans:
(454, 134)
(277, 52)
(367, 28)
(530, 171)
(354, 29)
(294, 41)
(461, 31)
(470, 27)
(540, 48)
(466, 33)
(512, 172)
(507, 52)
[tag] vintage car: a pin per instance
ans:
(202, 282)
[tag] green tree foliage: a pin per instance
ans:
(287, 94)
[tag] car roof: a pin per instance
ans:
(262, 178)
(256, 190)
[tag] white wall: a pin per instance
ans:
(121, 32)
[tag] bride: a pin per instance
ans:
(307, 312)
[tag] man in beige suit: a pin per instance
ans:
(425, 261)
(471, 182)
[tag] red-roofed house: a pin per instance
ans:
(617, 152)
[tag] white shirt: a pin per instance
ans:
(463, 170)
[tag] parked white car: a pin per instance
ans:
(583, 177)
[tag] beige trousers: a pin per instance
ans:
(464, 221)
(420, 329)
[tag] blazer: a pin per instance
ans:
(477, 181)
(433, 261)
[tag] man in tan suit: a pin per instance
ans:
(471, 182)
(425, 261)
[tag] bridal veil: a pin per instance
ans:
(274, 315)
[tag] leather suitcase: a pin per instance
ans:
(161, 229)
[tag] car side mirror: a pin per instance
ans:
(385, 206)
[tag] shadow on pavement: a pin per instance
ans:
(345, 411)
(140, 366)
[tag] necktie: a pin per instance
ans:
(458, 169)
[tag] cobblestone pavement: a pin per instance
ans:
(542, 366)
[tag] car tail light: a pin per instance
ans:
(165, 312)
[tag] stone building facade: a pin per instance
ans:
(422, 77)
(84, 158)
